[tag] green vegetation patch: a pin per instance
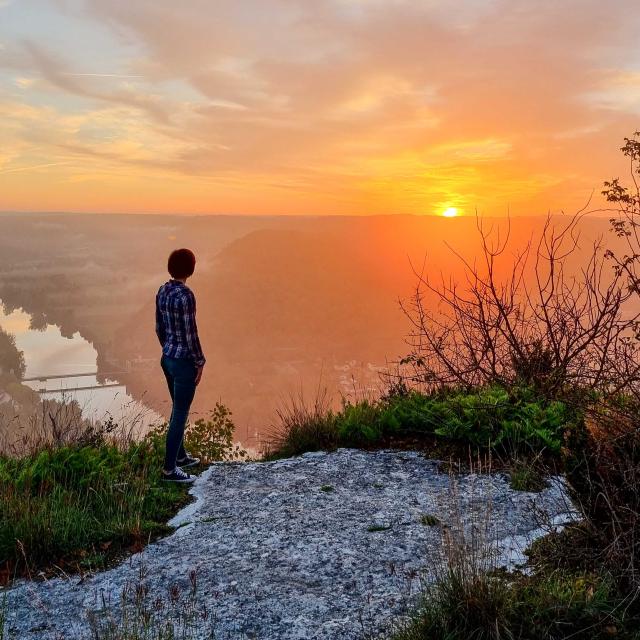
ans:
(76, 506)
(514, 421)
(81, 505)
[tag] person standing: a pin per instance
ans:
(182, 358)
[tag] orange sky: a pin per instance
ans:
(314, 106)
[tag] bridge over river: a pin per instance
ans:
(94, 374)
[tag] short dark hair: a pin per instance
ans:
(182, 263)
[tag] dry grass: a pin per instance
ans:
(302, 426)
(141, 614)
(603, 471)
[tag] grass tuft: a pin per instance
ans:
(524, 476)
(303, 427)
(429, 520)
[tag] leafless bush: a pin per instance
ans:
(527, 319)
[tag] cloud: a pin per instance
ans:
(46, 165)
(497, 99)
(54, 71)
(24, 83)
(101, 75)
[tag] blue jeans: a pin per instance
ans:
(181, 380)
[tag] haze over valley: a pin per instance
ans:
(286, 305)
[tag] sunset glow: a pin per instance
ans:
(451, 212)
(336, 107)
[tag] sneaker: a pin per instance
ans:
(178, 475)
(187, 461)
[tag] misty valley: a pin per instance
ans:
(287, 307)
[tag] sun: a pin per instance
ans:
(451, 212)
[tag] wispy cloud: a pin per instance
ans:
(100, 75)
(35, 167)
(54, 70)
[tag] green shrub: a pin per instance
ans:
(69, 466)
(514, 421)
(429, 520)
(524, 476)
(360, 423)
(61, 505)
(209, 440)
(212, 439)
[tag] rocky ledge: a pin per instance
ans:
(326, 545)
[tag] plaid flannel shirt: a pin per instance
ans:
(176, 322)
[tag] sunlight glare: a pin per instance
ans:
(451, 212)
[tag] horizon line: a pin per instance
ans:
(594, 213)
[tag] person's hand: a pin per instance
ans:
(199, 374)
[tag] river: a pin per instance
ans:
(49, 354)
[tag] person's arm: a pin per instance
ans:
(160, 332)
(191, 329)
